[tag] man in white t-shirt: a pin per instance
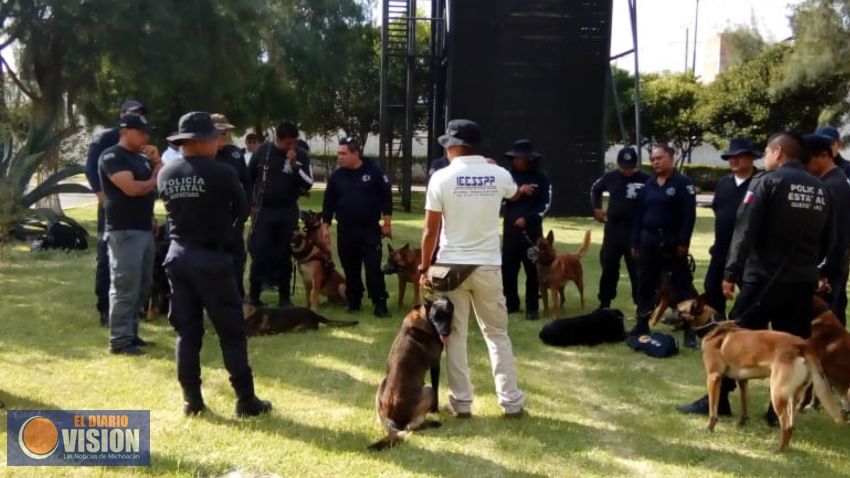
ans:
(462, 205)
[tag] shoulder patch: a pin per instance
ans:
(690, 189)
(235, 155)
(748, 198)
(108, 156)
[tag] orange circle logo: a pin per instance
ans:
(38, 437)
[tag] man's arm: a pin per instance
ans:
(689, 214)
(385, 194)
(238, 197)
(328, 209)
(747, 223)
(95, 150)
(305, 172)
(542, 201)
(599, 186)
(430, 234)
(124, 181)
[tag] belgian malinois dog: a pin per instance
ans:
(555, 271)
(403, 401)
(404, 263)
(788, 361)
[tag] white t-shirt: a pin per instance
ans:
(170, 155)
(469, 193)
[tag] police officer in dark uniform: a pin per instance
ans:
(105, 139)
(279, 173)
(837, 143)
(204, 199)
(623, 186)
(664, 223)
(358, 194)
(728, 195)
(834, 269)
(783, 230)
(230, 154)
(523, 225)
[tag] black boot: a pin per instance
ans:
(691, 341)
(700, 406)
(770, 416)
(193, 402)
(252, 406)
(641, 326)
(381, 310)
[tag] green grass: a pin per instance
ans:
(603, 411)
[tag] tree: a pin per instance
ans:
(743, 43)
(821, 48)
(669, 102)
(742, 102)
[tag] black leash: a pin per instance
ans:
(763, 293)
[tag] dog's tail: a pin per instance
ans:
(335, 323)
(822, 388)
(585, 246)
(393, 438)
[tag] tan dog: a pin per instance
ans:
(404, 263)
(665, 299)
(317, 271)
(555, 271)
(789, 362)
(831, 342)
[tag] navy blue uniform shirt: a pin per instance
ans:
(727, 198)
(623, 193)
(785, 220)
(204, 200)
(669, 210)
(235, 157)
(134, 213)
(357, 197)
(839, 189)
(531, 208)
(99, 143)
(283, 184)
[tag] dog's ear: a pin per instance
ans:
(406, 246)
(550, 238)
(390, 248)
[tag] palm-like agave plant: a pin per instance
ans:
(16, 171)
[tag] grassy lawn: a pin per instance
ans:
(603, 411)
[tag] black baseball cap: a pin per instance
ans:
(830, 132)
(627, 157)
(524, 148)
(135, 121)
(462, 132)
(814, 144)
(133, 106)
(194, 125)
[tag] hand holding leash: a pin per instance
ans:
(729, 290)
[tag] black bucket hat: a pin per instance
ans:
(524, 148)
(462, 132)
(194, 125)
(741, 146)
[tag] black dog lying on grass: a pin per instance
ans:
(598, 327)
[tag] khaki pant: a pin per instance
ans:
(483, 291)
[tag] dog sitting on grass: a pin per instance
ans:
(403, 401)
